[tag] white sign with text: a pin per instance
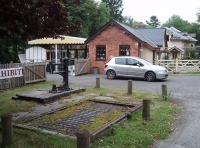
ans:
(11, 73)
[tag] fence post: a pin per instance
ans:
(176, 71)
(6, 130)
(146, 110)
(164, 91)
(129, 87)
(83, 139)
(98, 82)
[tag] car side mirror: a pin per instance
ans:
(138, 64)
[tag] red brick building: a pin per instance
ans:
(116, 39)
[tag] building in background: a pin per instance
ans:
(181, 45)
(117, 39)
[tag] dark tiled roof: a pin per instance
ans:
(153, 36)
(156, 35)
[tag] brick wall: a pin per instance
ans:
(112, 37)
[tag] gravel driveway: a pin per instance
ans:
(183, 88)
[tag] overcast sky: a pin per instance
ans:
(142, 10)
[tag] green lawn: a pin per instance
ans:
(30, 139)
(129, 134)
(8, 105)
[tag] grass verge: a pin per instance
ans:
(189, 74)
(31, 139)
(8, 105)
(129, 134)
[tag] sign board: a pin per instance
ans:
(11, 73)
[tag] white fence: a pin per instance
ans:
(178, 66)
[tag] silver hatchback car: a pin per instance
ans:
(128, 66)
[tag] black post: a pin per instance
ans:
(51, 67)
(65, 75)
(85, 52)
(68, 54)
(54, 88)
(76, 54)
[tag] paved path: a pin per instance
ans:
(185, 89)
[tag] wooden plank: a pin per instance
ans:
(34, 81)
(32, 71)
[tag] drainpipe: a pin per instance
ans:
(140, 48)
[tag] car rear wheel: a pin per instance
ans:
(150, 76)
(111, 74)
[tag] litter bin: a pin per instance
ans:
(95, 70)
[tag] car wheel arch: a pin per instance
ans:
(111, 74)
(110, 70)
(148, 72)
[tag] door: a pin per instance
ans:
(120, 66)
(135, 68)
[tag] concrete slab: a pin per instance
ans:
(44, 96)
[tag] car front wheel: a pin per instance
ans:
(150, 76)
(111, 74)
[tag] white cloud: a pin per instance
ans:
(142, 10)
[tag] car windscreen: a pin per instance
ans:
(144, 62)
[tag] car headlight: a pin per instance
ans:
(162, 71)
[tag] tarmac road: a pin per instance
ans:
(183, 88)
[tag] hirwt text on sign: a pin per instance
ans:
(11, 73)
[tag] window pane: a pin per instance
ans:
(101, 53)
(131, 61)
(124, 50)
(120, 61)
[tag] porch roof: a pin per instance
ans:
(59, 40)
(176, 49)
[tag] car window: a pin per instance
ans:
(144, 62)
(120, 61)
(132, 61)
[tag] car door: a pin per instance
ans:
(120, 66)
(134, 68)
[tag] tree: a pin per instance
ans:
(115, 9)
(183, 25)
(128, 20)
(90, 15)
(27, 19)
(195, 28)
(154, 22)
(198, 16)
(23, 20)
(177, 22)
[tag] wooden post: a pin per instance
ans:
(146, 110)
(129, 87)
(6, 130)
(176, 71)
(97, 82)
(83, 139)
(164, 91)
